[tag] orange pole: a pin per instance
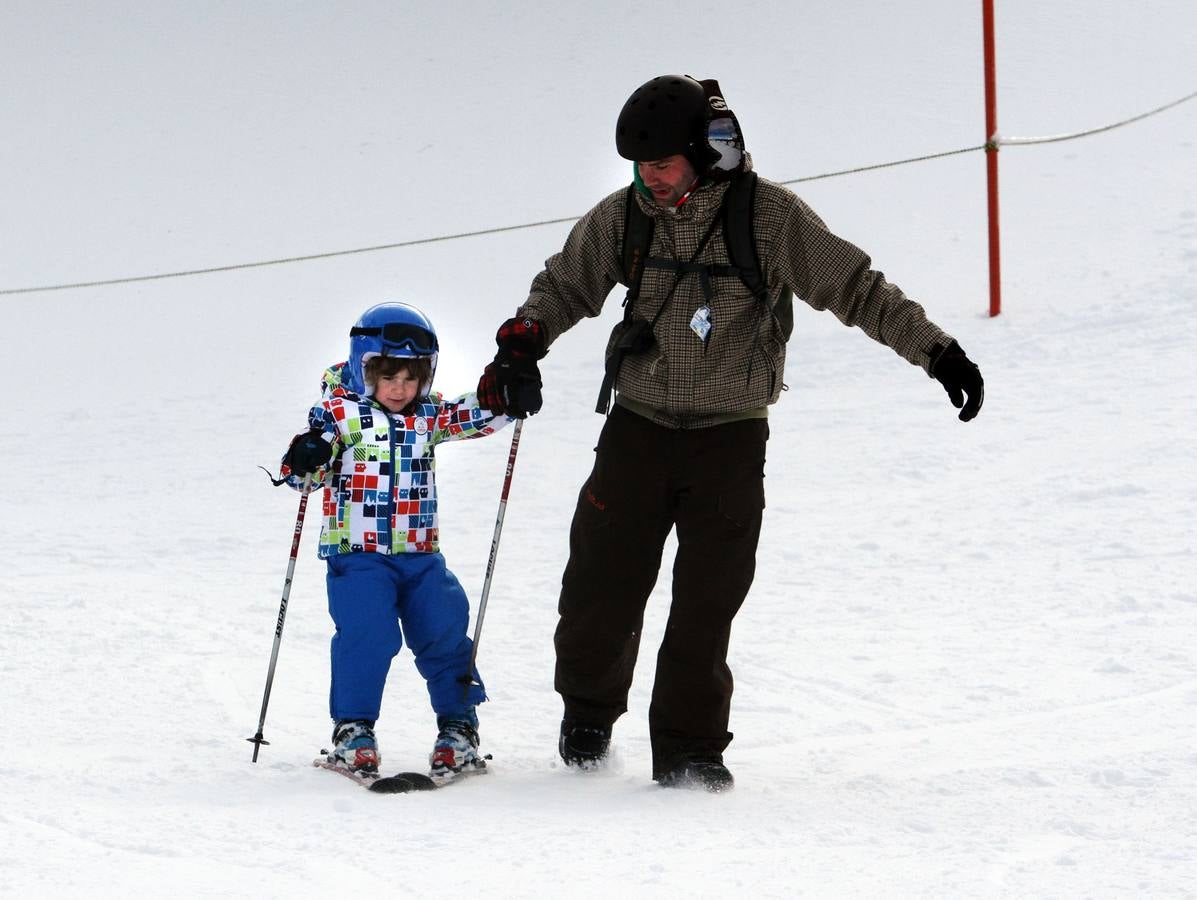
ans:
(991, 161)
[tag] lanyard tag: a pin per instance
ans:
(700, 323)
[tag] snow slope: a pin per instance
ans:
(966, 668)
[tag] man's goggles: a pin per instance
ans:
(397, 334)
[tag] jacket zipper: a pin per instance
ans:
(394, 485)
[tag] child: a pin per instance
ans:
(370, 445)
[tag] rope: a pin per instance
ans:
(995, 143)
(1079, 134)
(284, 260)
(885, 165)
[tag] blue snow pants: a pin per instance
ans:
(377, 600)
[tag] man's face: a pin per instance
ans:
(669, 179)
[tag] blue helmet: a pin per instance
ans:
(390, 329)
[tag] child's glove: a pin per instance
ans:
(959, 376)
(511, 384)
(307, 453)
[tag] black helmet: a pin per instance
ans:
(675, 114)
(664, 116)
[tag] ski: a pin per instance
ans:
(400, 783)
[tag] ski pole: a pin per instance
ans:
(468, 679)
(257, 740)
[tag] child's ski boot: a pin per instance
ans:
(355, 747)
(456, 751)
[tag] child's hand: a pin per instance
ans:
(308, 452)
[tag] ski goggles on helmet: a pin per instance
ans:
(724, 139)
(400, 335)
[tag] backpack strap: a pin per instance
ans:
(637, 236)
(738, 205)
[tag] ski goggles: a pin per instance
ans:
(400, 334)
(724, 138)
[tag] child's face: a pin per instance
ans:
(396, 391)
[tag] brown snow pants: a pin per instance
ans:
(647, 479)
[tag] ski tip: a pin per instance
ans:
(403, 783)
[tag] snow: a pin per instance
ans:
(966, 668)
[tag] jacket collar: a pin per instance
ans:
(702, 204)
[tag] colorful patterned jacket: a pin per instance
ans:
(380, 485)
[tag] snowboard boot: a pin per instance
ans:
(456, 750)
(354, 746)
(583, 746)
(707, 773)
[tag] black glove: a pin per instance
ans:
(511, 384)
(959, 376)
(307, 453)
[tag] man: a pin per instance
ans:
(695, 364)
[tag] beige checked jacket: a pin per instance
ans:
(684, 381)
